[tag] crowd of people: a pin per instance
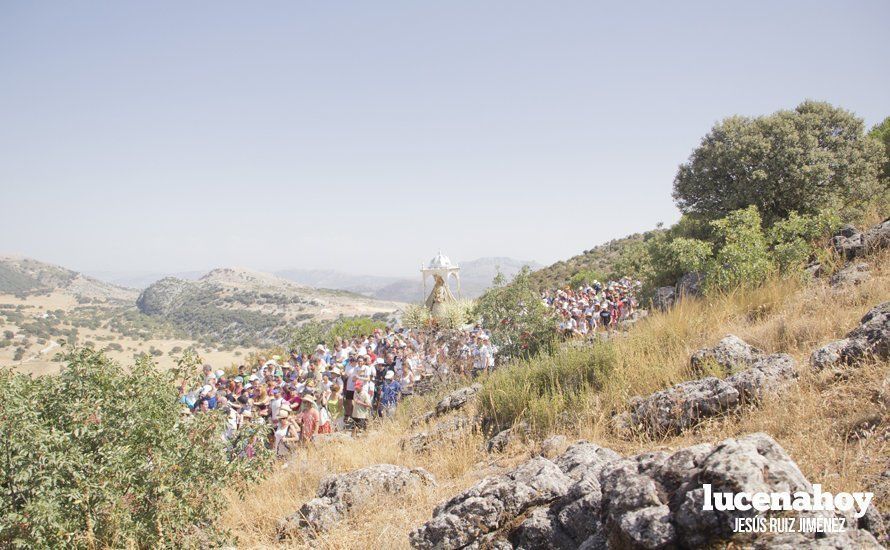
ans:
(342, 387)
(336, 388)
(593, 307)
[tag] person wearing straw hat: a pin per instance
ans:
(308, 419)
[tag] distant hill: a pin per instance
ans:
(141, 279)
(23, 276)
(237, 305)
(476, 276)
(600, 258)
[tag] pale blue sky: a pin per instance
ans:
(365, 136)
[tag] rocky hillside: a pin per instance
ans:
(243, 306)
(769, 389)
(24, 276)
(600, 259)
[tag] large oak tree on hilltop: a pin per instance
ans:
(812, 158)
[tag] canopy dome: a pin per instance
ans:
(441, 261)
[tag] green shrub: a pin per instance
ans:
(351, 327)
(587, 277)
(742, 258)
(521, 324)
(796, 239)
(100, 457)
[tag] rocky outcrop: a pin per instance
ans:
(504, 438)
(591, 497)
(870, 338)
(664, 297)
(689, 284)
(770, 374)
(553, 446)
(686, 404)
(446, 432)
(682, 406)
(457, 399)
(453, 401)
(338, 494)
(852, 274)
(849, 243)
(730, 354)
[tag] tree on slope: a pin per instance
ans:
(814, 157)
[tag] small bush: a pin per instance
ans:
(100, 457)
(521, 324)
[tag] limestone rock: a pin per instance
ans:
(338, 493)
(730, 353)
(870, 338)
(847, 242)
(490, 504)
(445, 432)
(664, 297)
(684, 405)
(501, 440)
(767, 375)
(592, 498)
(877, 238)
(852, 274)
(457, 399)
(553, 445)
(689, 284)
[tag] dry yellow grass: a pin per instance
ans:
(813, 421)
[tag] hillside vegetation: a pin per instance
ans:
(577, 390)
(242, 307)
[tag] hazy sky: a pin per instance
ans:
(365, 136)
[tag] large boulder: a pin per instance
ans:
(338, 494)
(870, 338)
(769, 374)
(730, 354)
(847, 242)
(664, 297)
(499, 442)
(877, 238)
(591, 497)
(457, 399)
(490, 504)
(683, 406)
(690, 284)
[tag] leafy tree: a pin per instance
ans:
(308, 335)
(351, 327)
(881, 132)
(808, 159)
(521, 324)
(99, 456)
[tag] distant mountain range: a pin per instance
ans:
(476, 276)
